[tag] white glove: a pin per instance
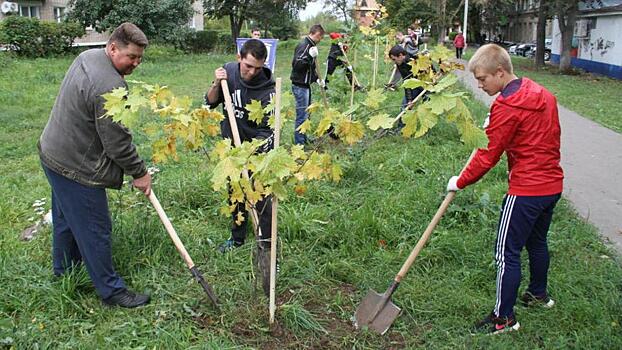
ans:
(313, 51)
(487, 121)
(321, 83)
(350, 68)
(452, 185)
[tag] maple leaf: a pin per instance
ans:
(312, 169)
(410, 123)
(115, 101)
(135, 102)
(183, 118)
(221, 149)
(279, 190)
(255, 111)
(314, 107)
(212, 130)
(350, 131)
(383, 121)
(298, 152)
(413, 83)
(304, 127)
(373, 99)
(441, 53)
(438, 104)
(239, 219)
(444, 83)
(300, 189)
(426, 121)
(161, 97)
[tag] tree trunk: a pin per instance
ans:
(566, 17)
(541, 33)
(236, 24)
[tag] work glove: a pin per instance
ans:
(452, 185)
(486, 121)
(349, 68)
(321, 83)
(313, 51)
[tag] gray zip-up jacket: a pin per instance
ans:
(77, 142)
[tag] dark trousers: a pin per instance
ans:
(524, 222)
(264, 210)
(82, 229)
(332, 64)
(458, 52)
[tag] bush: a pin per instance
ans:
(452, 35)
(202, 41)
(32, 38)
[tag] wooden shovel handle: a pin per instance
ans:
(171, 230)
(230, 113)
(275, 205)
(428, 231)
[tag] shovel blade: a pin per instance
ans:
(372, 314)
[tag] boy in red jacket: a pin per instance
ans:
(523, 123)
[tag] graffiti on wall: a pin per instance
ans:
(601, 46)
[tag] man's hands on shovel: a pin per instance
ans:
(143, 183)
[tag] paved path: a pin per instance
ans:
(592, 162)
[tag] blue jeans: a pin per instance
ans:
(82, 229)
(303, 100)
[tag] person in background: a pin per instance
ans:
(256, 33)
(82, 153)
(523, 122)
(304, 73)
(459, 44)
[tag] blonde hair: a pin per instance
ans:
(489, 58)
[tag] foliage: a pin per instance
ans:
(272, 172)
(158, 19)
(33, 38)
(202, 41)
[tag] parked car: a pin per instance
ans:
(512, 49)
(532, 53)
(522, 49)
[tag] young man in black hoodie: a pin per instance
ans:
(402, 60)
(248, 79)
(304, 68)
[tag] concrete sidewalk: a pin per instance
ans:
(592, 163)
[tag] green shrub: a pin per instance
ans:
(32, 38)
(162, 52)
(452, 35)
(225, 42)
(202, 41)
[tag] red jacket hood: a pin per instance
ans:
(529, 97)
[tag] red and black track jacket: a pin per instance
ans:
(523, 123)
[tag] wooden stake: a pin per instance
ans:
(375, 70)
(275, 205)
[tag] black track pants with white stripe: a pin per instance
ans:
(524, 222)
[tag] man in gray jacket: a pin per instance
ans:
(83, 153)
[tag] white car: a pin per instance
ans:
(512, 50)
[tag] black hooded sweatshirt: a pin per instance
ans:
(260, 88)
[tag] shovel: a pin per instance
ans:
(182, 250)
(377, 312)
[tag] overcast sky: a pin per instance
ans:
(312, 9)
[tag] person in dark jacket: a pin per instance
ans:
(334, 59)
(523, 122)
(83, 153)
(304, 73)
(402, 60)
(248, 79)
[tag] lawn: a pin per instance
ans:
(338, 241)
(598, 98)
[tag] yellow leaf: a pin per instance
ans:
(350, 131)
(336, 172)
(255, 111)
(304, 127)
(383, 121)
(239, 218)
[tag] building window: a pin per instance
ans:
(59, 14)
(30, 11)
(192, 23)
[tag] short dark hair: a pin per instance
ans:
(255, 48)
(255, 30)
(128, 33)
(316, 28)
(397, 50)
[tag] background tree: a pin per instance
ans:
(282, 20)
(343, 8)
(543, 15)
(162, 19)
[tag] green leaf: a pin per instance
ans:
(438, 104)
(304, 127)
(374, 98)
(255, 111)
(413, 83)
(383, 121)
(350, 131)
(410, 123)
(426, 119)
(444, 83)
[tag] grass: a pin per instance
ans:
(337, 241)
(598, 98)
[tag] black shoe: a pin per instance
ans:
(495, 325)
(529, 299)
(128, 299)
